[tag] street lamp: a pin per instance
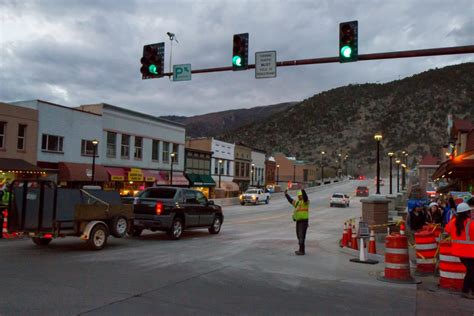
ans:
(390, 156)
(278, 174)
(253, 172)
(220, 166)
(294, 173)
(397, 161)
(403, 160)
(322, 168)
(95, 142)
(404, 166)
(171, 175)
(378, 138)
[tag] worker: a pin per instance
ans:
(461, 229)
(300, 216)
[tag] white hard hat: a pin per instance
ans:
(433, 204)
(463, 207)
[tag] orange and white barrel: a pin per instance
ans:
(397, 264)
(451, 270)
(426, 247)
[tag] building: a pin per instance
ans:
(18, 144)
(197, 169)
(270, 172)
(242, 163)
(426, 169)
(257, 173)
(139, 150)
(297, 171)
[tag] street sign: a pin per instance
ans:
(265, 65)
(182, 72)
(364, 229)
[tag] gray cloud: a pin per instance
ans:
(77, 52)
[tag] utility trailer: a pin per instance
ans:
(42, 211)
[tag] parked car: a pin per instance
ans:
(362, 191)
(339, 199)
(173, 210)
(255, 196)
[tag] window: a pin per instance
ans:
(176, 153)
(201, 198)
(111, 144)
(138, 148)
(87, 148)
(166, 152)
(190, 197)
(125, 147)
(155, 147)
(3, 127)
(242, 169)
(237, 168)
(21, 137)
(52, 143)
(228, 167)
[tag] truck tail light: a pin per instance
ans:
(158, 208)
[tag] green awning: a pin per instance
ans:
(207, 180)
(200, 180)
(192, 177)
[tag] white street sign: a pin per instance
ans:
(265, 65)
(182, 72)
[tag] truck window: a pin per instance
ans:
(161, 193)
(190, 197)
(201, 198)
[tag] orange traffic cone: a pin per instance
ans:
(372, 247)
(354, 240)
(402, 228)
(4, 228)
(349, 234)
(345, 237)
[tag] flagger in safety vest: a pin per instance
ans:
(461, 229)
(300, 216)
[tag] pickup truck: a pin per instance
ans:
(173, 210)
(254, 196)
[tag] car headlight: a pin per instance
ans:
(253, 197)
(241, 197)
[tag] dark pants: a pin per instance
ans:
(301, 228)
(468, 284)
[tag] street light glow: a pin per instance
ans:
(378, 137)
(391, 154)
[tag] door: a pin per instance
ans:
(191, 208)
(206, 212)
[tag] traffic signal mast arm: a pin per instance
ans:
(469, 49)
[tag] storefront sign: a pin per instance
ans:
(117, 178)
(150, 179)
(135, 175)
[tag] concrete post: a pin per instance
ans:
(375, 212)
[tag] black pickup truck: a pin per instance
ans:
(173, 209)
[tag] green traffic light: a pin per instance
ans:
(237, 61)
(152, 69)
(346, 51)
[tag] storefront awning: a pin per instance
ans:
(150, 175)
(178, 179)
(460, 167)
(18, 165)
(116, 174)
(82, 172)
(230, 186)
(200, 180)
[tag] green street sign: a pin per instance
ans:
(182, 72)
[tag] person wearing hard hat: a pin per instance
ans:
(461, 229)
(301, 217)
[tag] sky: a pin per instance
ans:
(81, 52)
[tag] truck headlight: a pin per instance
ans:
(253, 197)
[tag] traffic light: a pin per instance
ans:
(240, 52)
(348, 50)
(153, 61)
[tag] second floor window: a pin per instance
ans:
(155, 147)
(87, 148)
(176, 152)
(52, 143)
(111, 144)
(21, 137)
(125, 147)
(3, 127)
(138, 147)
(166, 152)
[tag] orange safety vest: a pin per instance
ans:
(462, 246)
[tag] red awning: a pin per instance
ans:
(116, 174)
(69, 171)
(150, 175)
(178, 179)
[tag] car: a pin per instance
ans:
(254, 196)
(339, 199)
(361, 178)
(362, 191)
(174, 210)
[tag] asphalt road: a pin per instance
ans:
(248, 269)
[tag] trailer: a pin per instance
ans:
(42, 211)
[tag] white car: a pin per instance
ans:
(339, 199)
(254, 196)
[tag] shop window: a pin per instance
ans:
(87, 148)
(125, 147)
(166, 152)
(237, 169)
(138, 148)
(176, 153)
(3, 128)
(155, 150)
(52, 143)
(228, 168)
(111, 144)
(21, 137)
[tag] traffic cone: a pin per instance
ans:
(4, 228)
(402, 228)
(354, 240)
(345, 237)
(349, 234)
(372, 247)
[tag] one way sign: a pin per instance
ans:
(182, 72)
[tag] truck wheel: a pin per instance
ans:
(98, 237)
(135, 232)
(216, 225)
(242, 203)
(41, 241)
(176, 229)
(119, 227)
(267, 200)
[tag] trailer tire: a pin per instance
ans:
(98, 237)
(119, 227)
(135, 231)
(41, 241)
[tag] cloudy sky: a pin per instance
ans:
(80, 52)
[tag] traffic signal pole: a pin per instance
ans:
(469, 49)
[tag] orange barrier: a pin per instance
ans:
(372, 244)
(349, 235)
(426, 246)
(5, 233)
(354, 240)
(451, 270)
(345, 237)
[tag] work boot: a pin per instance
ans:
(301, 251)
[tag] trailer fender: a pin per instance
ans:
(89, 227)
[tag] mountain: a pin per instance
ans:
(410, 113)
(216, 123)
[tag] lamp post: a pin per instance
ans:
(220, 166)
(402, 160)
(397, 161)
(171, 174)
(253, 172)
(378, 138)
(346, 163)
(294, 173)
(322, 168)
(95, 142)
(339, 172)
(390, 156)
(278, 174)
(404, 166)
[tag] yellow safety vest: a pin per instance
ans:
(301, 210)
